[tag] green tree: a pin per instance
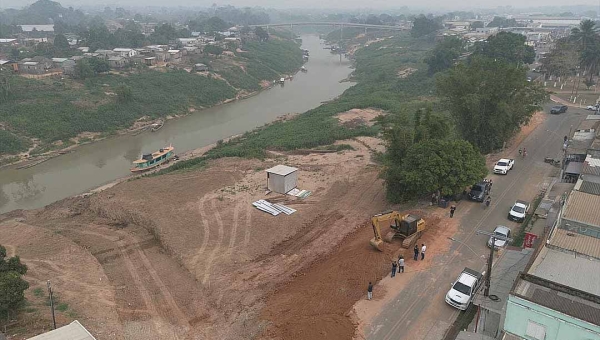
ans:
(99, 65)
(423, 26)
(212, 49)
(477, 24)
(12, 286)
(445, 165)
(506, 46)
(503, 22)
(124, 93)
(261, 34)
(83, 70)
(585, 34)
(563, 59)
(61, 42)
(444, 54)
(489, 99)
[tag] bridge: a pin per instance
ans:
(341, 25)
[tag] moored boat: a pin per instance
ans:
(152, 160)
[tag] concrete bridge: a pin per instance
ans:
(341, 25)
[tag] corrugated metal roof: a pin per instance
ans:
(574, 168)
(565, 268)
(579, 146)
(591, 166)
(588, 124)
(282, 170)
(593, 117)
(583, 207)
(566, 305)
(72, 331)
(596, 144)
(589, 187)
(579, 243)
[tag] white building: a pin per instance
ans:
(282, 178)
(125, 52)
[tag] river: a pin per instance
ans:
(95, 164)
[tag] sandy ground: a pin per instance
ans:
(186, 256)
(359, 117)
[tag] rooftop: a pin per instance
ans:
(72, 331)
(564, 267)
(40, 28)
(587, 187)
(582, 207)
(282, 170)
(591, 166)
(118, 49)
(574, 168)
(574, 242)
(588, 124)
(558, 297)
(59, 60)
(579, 146)
(5, 41)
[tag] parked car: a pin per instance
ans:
(503, 166)
(518, 211)
(479, 190)
(593, 107)
(464, 288)
(558, 109)
(499, 231)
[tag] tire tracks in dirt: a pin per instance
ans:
(205, 236)
(217, 247)
(234, 226)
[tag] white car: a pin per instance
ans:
(503, 166)
(593, 107)
(464, 288)
(501, 231)
(518, 211)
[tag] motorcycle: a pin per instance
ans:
(552, 161)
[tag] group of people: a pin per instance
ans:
(523, 152)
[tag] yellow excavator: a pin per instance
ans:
(407, 227)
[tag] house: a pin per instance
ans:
(282, 178)
(77, 58)
(35, 65)
(117, 62)
(37, 28)
(72, 331)
(8, 42)
(192, 49)
(84, 49)
(174, 55)
(9, 64)
(188, 41)
(125, 52)
(200, 67)
(57, 62)
(150, 61)
(104, 53)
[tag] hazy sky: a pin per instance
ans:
(433, 4)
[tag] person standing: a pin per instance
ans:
(433, 199)
(423, 248)
(416, 252)
(401, 264)
(452, 210)
(394, 267)
(370, 291)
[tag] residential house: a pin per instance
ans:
(150, 61)
(487, 30)
(174, 55)
(188, 41)
(37, 28)
(200, 67)
(104, 53)
(57, 62)
(8, 42)
(125, 52)
(117, 62)
(35, 65)
(192, 49)
(9, 64)
(84, 49)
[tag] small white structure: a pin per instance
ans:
(282, 178)
(72, 331)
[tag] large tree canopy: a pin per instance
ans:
(445, 165)
(506, 46)
(12, 286)
(489, 99)
(444, 54)
(423, 25)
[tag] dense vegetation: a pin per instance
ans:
(12, 144)
(12, 286)
(52, 110)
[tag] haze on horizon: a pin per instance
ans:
(435, 5)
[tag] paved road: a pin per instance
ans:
(419, 311)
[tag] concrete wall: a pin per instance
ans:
(558, 326)
(282, 184)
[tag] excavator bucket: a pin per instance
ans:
(377, 243)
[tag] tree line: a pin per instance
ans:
(483, 99)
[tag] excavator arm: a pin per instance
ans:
(377, 241)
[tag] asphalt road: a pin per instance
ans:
(419, 311)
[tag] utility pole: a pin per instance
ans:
(488, 272)
(51, 304)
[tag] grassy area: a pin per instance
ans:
(12, 144)
(378, 87)
(281, 56)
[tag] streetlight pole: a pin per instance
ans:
(488, 272)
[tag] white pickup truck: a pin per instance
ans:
(464, 288)
(503, 166)
(518, 211)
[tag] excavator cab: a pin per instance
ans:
(407, 227)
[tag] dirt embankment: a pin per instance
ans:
(186, 256)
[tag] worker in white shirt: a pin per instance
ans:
(423, 248)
